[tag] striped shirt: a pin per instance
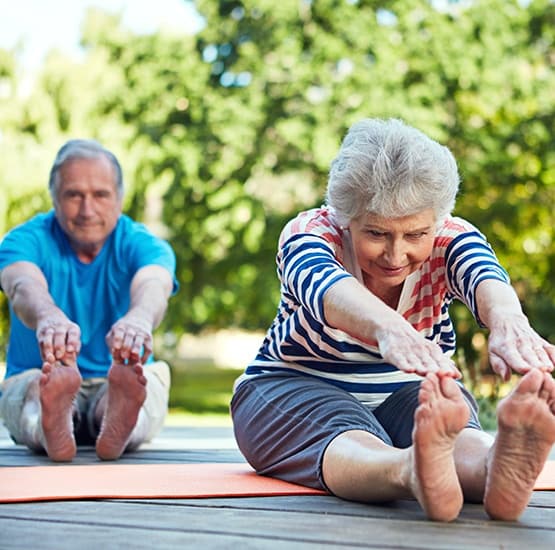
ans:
(314, 253)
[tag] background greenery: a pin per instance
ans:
(225, 134)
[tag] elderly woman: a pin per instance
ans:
(354, 390)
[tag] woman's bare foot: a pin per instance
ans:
(58, 386)
(126, 395)
(526, 434)
(441, 415)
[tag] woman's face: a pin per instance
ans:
(388, 250)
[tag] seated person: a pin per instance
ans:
(86, 286)
(354, 390)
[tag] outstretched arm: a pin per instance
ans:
(353, 309)
(130, 338)
(27, 290)
(513, 345)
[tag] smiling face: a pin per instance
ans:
(87, 204)
(388, 250)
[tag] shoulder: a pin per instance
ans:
(37, 241)
(139, 245)
(31, 240)
(134, 233)
(319, 222)
(39, 223)
(452, 229)
(129, 226)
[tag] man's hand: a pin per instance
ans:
(130, 339)
(58, 337)
(27, 290)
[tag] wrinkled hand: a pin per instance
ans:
(130, 340)
(402, 346)
(58, 338)
(513, 345)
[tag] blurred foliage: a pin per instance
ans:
(201, 388)
(224, 135)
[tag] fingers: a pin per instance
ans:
(520, 353)
(419, 356)
(533, 354)
(58, 339)
(550, 350)
(500, 367)
(129, 343)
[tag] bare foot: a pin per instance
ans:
(58, 386)
(441, 415)
(126, 395)
(526, 434)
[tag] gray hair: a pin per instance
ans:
(82, 149)
(390, 169)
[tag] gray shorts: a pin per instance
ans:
(283, 422)
(14, 389)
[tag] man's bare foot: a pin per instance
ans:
(439, 418)
(526, 434)
(126, 395)
(58, 386)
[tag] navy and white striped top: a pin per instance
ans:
(314, 253)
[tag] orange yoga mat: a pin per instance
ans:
(80, 482)
(546, 480)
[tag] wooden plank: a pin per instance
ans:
(533, 517)
(293, 527)
(267, 522)
(93, 537)
(20, 456)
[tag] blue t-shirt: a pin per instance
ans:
(93, 295)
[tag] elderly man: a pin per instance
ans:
(86, 287)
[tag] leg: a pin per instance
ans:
(526, 434)
(57, 388)
(283, 423)
(155, 408)
(119, 409)
(23, 425)
(471, 455)
(37, 407)
(358, 466)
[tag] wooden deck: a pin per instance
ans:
(318, 522)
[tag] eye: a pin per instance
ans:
(71, 195)
(102, 195)
(375, 233)
(417, 236)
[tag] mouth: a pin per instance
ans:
(392, 271)
(86, 225)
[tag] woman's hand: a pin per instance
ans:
(513, 345)
(350, 307)
(401, 345)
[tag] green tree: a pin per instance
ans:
(234, 128)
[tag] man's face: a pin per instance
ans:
(87, 204)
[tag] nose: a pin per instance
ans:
(86, 207)
(395, 252)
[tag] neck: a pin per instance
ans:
(388, 295)
(87, 254)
